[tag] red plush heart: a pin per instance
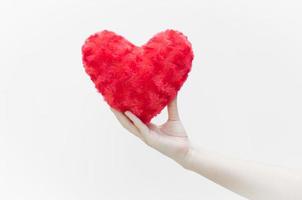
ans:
(142, 79)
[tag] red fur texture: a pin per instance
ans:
(142, 79)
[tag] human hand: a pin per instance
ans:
(249, 179)
(169, 138)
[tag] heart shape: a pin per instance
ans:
(142, 79)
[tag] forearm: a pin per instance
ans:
(249, 179)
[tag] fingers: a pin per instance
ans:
(173, 110)
(144, 130)
(126, 123)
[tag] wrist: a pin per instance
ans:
(188, 159)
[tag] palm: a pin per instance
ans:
(169, 138)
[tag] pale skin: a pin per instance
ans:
(253, 180)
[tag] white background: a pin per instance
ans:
(58, 138)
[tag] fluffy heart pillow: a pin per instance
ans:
(142, 79)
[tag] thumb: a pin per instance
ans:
(173, 110)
